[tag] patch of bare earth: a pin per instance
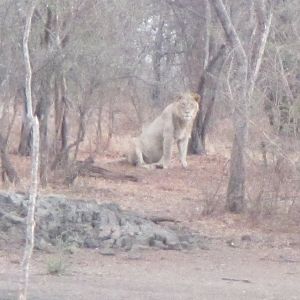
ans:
(245, 259)
(221, 273)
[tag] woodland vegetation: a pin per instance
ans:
(98, 70)
(101, 66)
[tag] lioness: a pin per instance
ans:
(153, 147)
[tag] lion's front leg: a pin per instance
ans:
(182, 148)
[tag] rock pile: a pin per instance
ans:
(88, 224)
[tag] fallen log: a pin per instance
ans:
(160, 219)
(87, 168)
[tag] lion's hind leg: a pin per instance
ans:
(135, 155)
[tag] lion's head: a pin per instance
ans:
(187, 106)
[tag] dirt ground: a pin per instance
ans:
(223, 273)
(244, 259)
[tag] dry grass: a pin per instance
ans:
(196, 196)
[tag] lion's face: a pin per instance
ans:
(187, 106)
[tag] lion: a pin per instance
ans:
(153, 147)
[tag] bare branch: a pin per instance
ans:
(264, 25)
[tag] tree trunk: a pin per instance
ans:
(61, 125)
(263, 29)
(11, 122)
(99, 134)
(61, 158)
(235, 200)
(30, 223)
(80, 132)
(207, 85)
(6, 165)
(42, 112)
(157, 62)
(24, 148)
(45, 101)
(196, 143)
(110, 125)
(6, 124)
(207, 33)
(64, 132)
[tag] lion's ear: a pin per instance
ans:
(196, 97)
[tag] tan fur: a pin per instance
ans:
(153, 147)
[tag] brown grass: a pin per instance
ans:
(195, 197)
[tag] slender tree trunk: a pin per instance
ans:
(99, 134)
(263, 29)
(24, 148)
(196, 144)
(64, 132)
(157, 62)
(7, 167)
(12, 121)
(80, 132)
(42, 112)
(60, 102)
(207, 32)
(45, 102)
(236, 187)
(61, 125)
(30, 224)
(58, 109)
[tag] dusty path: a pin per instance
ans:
(225, 273)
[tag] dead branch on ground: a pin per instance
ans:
(87, 168)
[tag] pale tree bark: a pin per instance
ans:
(30, 224)
(207, 33)
(236, 187)
(245, 79)
(263, 29)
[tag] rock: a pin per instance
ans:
(79, 223)
(14, 219)
(125, 242)
(90, 243)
